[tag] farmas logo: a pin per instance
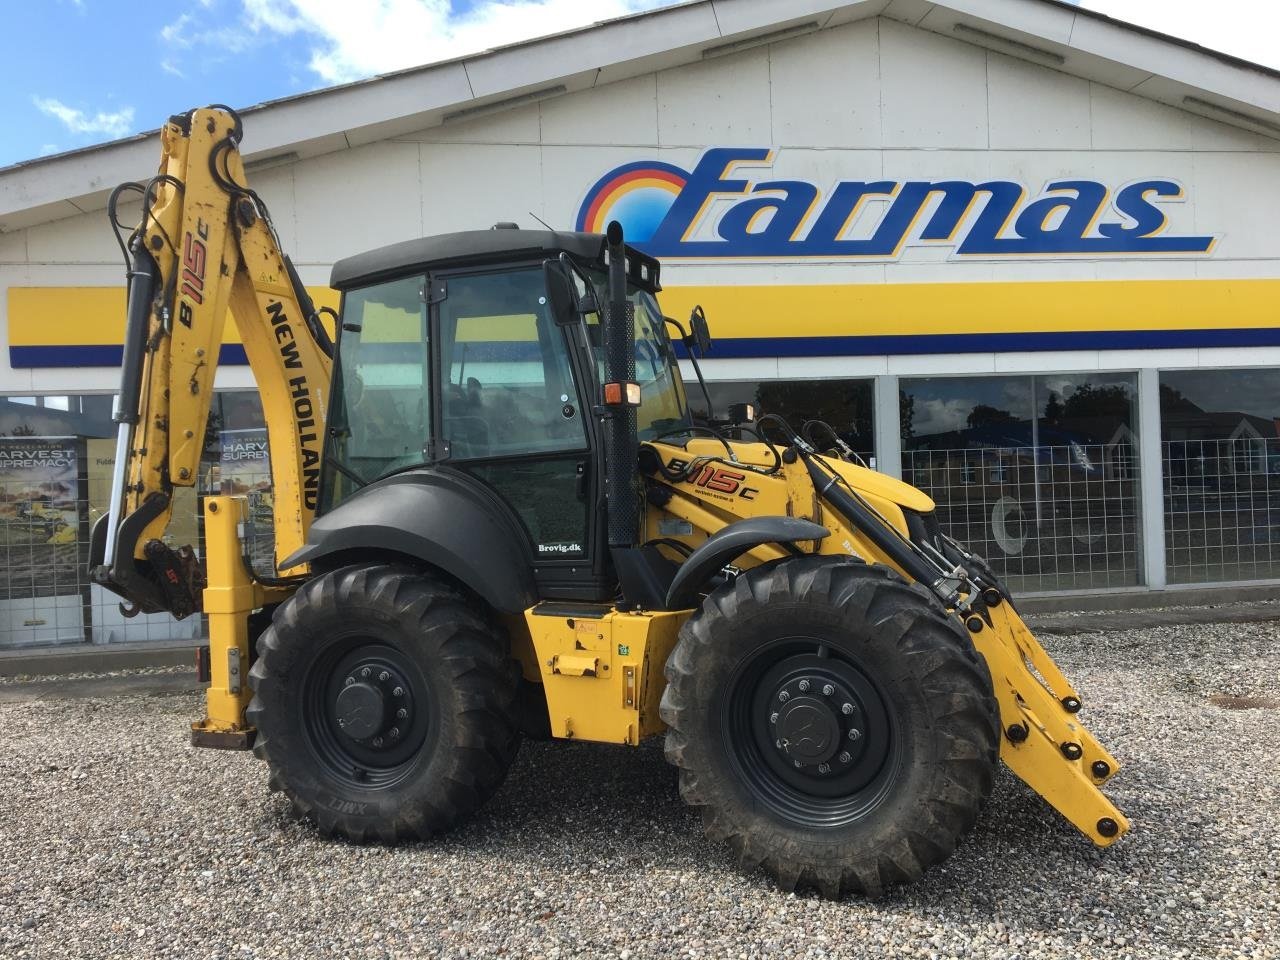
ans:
(638, 195)
(725, 208)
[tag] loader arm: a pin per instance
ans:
(205, 247)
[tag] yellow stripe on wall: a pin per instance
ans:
(70, 316)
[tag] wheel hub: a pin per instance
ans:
(361, 711)
(819, 725)
(809, 729)
(373, 707)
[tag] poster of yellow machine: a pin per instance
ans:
(40, 514)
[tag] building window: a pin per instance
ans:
(845, 405)
(57, 456)
(1220, 434)
(1036, 473)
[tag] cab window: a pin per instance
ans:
(507, 388)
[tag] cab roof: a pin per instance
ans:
(500, 244)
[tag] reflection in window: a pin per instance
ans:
(844, 404)
(1220, 433)
(380, 415)
(509, 388)
(1036, 473)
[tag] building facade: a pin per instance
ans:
(1020, 255)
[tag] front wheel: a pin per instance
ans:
(832, 722)
(384, 702)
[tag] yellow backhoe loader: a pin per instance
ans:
(495, 517)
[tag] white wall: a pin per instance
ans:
(875, 99)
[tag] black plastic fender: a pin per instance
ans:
(440, 517)
(733, 541)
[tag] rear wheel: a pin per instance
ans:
(832, 722)
(384, 703)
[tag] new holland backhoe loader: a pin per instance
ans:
(495, 516)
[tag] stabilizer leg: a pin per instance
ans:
(228, 600)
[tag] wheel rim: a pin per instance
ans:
(366, 712)
(812, 736)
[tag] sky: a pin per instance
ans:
(80, 72)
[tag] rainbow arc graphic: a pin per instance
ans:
(637, 195)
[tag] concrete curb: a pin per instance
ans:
(88, 658)
(1111, 620)
(87, 688)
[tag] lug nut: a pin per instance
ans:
(778, 744)
(398, 692)
(824, 768)
(365, 672)
(855, 734)
(1101, 769)
(384, 676)
(394, 733)
(773, 718)
(828, 690)
(349, 681)
(799, 764)
(401, 713)
(784, 696)
(804, 686)
(377, 741)
(847, 709)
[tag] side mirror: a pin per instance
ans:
(699, 331)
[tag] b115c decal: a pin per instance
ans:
(720, 209)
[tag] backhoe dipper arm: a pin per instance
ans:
(205, 246)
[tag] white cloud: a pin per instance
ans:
(940, 416)
(174, 33)
(1242, 28)
(355, 40)
(115, 124)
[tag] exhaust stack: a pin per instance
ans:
(621, 444)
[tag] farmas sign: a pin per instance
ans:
(726, 208)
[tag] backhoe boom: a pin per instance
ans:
(205, 247)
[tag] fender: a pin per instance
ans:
(440, 518)
(733, 541)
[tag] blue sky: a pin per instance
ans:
(79, 72)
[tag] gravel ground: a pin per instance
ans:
(119, 840)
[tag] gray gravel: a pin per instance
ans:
(119, 840)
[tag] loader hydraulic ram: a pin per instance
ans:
(497, 516)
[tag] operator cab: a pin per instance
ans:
(460, 355)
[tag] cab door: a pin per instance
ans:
(511, 415)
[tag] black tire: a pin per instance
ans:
(925, 753)
(417, 654)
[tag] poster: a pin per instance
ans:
(43, 537)
(244, 469)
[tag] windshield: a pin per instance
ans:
(663, 408)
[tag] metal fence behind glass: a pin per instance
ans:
(1222, 509)
(1047, 518)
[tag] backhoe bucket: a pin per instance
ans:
(1042, 741)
